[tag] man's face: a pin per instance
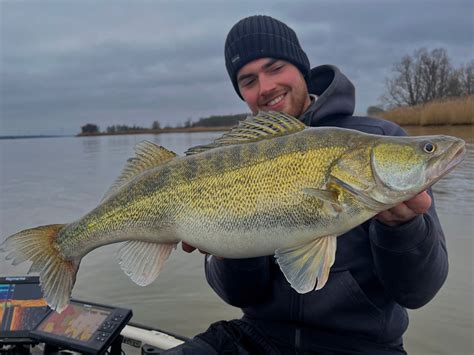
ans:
(268, 84)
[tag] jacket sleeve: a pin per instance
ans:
(411, 260)
(239, 282)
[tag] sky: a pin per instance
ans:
(67, 63)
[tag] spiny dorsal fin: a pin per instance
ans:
(147, 155)
(265, 125)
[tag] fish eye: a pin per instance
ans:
(429, 147)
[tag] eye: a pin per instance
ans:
(276, 68)
(247, 82)
(429, 147)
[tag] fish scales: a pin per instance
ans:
(254, 185)
(265, 193)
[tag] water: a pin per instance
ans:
(56, 180)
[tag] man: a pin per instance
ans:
(395, 261)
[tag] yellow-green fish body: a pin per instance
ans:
(269, 186)
(233, 201)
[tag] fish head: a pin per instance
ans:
(397, 168)
(412, 164)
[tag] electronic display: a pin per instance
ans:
(22, 307)
(84, 327)
(78, 322)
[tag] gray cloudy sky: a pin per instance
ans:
(67, 63)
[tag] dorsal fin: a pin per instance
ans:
(265, 125)
(147, 155)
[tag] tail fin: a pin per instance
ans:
(38, 245)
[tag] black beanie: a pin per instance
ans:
(258, 37)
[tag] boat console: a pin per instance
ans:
(22, 307)
(27, 320)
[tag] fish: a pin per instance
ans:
(269, 186)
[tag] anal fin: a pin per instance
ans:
(143, 261)
(306, 267)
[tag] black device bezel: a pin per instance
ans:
(92, 346)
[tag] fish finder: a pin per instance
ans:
(22, 307)
(85, 327)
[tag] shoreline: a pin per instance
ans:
(160, 131)
(463, 131)
(227, 128)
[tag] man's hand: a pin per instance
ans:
(406, 211)
(189, 249)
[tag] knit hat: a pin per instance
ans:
(258, 37)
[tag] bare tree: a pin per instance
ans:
(405, 87)
(467, 78)
(422, 77)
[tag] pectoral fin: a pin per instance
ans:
(306, 267)
(331, 205)
(143, 261)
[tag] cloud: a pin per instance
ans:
(68, 63)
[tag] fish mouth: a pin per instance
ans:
(454, 157)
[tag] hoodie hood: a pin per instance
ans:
(336, 95)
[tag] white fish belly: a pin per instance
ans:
(251, 240)
(240, 243)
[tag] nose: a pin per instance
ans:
(266, 84)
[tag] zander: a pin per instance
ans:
(269, 186)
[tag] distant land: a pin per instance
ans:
(158, 131)
(35, 136)
(456, 112)
(207, 124)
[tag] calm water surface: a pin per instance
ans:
(56, 180)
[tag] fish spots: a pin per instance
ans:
(190, 169)
(300, 145)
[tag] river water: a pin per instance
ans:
(56, 180)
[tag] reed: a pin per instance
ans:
(458, 111)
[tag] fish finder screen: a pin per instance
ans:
(77, 321)
(22, 306)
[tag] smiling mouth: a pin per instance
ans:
(275, 100)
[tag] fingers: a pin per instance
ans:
(406, 211)
(420, 203)
(396, 215)
(187, 248)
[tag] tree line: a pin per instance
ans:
(211, 121)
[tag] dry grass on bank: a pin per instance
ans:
(459, 111)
